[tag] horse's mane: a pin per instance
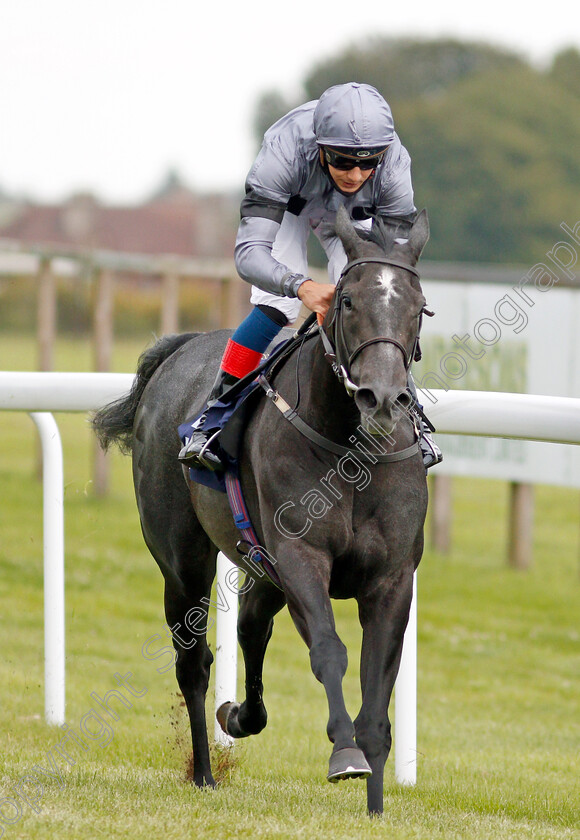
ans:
(381, 234)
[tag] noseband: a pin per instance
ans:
(336, 351)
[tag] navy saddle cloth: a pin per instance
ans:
(229, 416)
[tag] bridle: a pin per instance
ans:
(336, 352)
(335, 348)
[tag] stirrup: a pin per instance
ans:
(431, 453)
(207, 458)
(204, 457)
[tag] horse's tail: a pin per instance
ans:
(114, 422)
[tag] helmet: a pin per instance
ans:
(353, 116)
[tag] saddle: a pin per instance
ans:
(228, 416)
(225, 421)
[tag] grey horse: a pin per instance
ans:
(340, 512)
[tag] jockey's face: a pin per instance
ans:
(351, 180)
(347, 180)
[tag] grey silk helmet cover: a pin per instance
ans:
(353, 115)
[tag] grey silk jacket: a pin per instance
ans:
(287, 177)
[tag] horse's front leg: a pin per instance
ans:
(258, 607)
(384, 612)
(305, 576)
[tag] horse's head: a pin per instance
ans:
(374, 323)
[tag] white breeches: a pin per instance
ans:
(289, 248)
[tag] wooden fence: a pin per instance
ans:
(104, 267)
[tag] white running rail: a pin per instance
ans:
(524, 416)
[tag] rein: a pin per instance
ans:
(307, 431)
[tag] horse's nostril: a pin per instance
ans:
(365, 399)
(404, 400)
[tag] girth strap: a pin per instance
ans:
(244, 524)
(324, 443)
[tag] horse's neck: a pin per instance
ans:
(327, 406)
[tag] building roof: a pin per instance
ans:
(183, 224)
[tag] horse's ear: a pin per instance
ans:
(347, 234)
(418, 237)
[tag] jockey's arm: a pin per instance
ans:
(254, 261)
(255, 264)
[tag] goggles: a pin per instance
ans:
(349, 159)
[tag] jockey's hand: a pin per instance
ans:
(317, 297)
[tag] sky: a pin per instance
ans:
(108, 96)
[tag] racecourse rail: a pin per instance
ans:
(488, 414)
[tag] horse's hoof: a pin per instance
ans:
(348, 763)
(224, 713)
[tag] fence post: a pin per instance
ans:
(45, 328)
(53, 542)
(46, 315)
(521, 525)
(103, 351)
(406, 702)
(441, 505)
(226, 644)
(170, 303)
(224, 315)
(231, 312)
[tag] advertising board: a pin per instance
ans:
(519, 337)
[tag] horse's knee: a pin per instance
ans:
(192, 667)
(330, 652)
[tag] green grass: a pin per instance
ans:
(499, 665)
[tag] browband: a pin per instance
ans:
(381, 261)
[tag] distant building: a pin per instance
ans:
(10, 208)
(175, 220)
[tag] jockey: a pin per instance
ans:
(339, 150)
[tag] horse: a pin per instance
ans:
(340, 512)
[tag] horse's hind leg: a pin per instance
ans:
(255, 622)
(187, 618)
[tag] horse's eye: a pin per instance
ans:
(347, 302)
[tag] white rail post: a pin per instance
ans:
(406, 702)
(226, 655)
(53, 540)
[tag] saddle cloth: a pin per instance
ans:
(231, 418)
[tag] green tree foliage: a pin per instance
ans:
(494, 142)
(495, 160)
(403, 69)
(400, 69)
(565, 70)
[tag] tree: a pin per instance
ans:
(565, 71)
(271, 106)
(493, 141)
(404, 69)
(495, 161)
